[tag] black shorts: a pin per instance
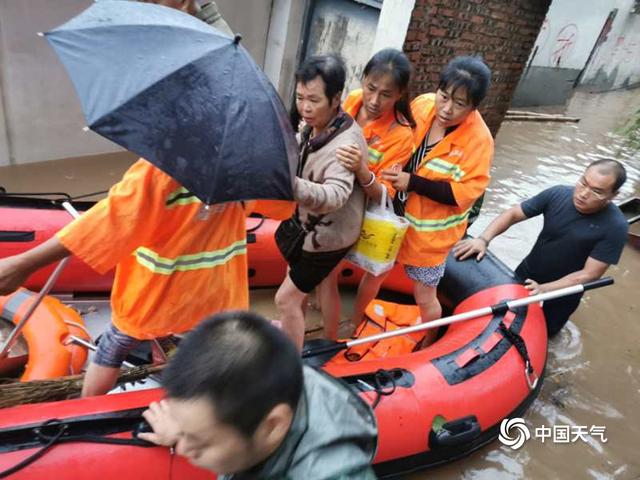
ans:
(313, 267)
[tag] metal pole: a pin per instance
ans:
(91, 346)
(481, 312)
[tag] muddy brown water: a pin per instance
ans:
(594, 364)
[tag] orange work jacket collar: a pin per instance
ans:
(376, 128)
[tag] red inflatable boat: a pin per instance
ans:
(26, 222)
(432, 405)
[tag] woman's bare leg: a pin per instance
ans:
(430, 308)
(367, 291)
(329, 301)
(289, 304)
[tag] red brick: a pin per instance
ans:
(411, 35)
(503, 32)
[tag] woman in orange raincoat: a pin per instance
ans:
(381, 108)
(438, 187)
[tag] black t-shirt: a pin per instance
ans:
(569, 237)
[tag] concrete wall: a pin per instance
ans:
(250, 18)
(284, 44)
(393, 23)
(616, 61)
(544, 86)
(40, 117)
(345, 27)
(569, 33)
(502, 32)
(598, 47)
(41, 113)
(565, 42)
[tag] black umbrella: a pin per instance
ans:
(179, 93)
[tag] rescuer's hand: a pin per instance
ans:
(166, 431)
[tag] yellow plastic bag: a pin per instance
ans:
(380, 238)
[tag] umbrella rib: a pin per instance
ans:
(275, 105)
(227, 117)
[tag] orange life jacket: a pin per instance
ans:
(384, 317)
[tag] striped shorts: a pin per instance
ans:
(114, 346)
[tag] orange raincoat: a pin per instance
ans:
(176, 261)
(462, 158)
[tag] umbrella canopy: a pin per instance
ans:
(184, 96)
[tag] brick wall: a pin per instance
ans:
(502, 31)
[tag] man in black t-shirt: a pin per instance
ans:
(583, 234)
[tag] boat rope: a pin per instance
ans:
(260, 223)
(518, 342)
(380, 378)
(64, 195)
(60, 436)
(35, 456)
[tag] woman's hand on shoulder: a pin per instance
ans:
(350, 157)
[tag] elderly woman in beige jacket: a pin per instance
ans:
(330, 201)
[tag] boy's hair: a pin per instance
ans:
(329, 67)
(241, 364)
(469, 72)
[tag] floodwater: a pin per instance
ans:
(593, 372)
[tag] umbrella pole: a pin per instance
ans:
(13, 336)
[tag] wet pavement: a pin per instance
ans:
(593, 372)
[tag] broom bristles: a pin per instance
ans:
(15, 393)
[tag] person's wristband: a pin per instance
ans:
(486, 242)
(370, 182)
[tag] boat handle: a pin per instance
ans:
(532, 379)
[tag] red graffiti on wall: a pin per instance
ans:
(565, 41)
